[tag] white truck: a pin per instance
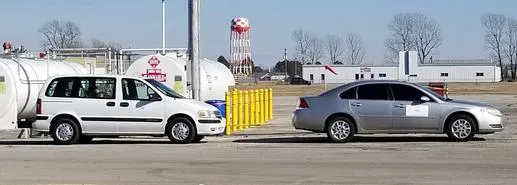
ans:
(77, 108)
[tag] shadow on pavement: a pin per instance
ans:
(357, 139)
(94, 142)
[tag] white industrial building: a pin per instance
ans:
(408, 69)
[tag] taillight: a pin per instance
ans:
(302, 104)
(38, 106)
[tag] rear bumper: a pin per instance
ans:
(41, 125)
(305, 119)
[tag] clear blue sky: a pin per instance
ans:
(137, 23)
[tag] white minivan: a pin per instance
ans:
(77, 108)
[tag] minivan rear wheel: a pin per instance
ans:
(461, 128)
(181, 131)
(65, 131)
(340, 129)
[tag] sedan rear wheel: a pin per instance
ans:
(340, 130)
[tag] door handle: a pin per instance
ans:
(124, 104)
(110, 104)
(400, 105)
(356, 104)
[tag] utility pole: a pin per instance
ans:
(285, 61)
(194, 48)
(163, 27)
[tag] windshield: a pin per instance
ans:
(425, 88)
(164, 89)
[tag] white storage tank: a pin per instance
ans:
(20, 83)
(172, 71)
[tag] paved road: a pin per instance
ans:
(256, 158)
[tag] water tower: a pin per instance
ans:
(240, 47)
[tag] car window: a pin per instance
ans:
(136, 90)
(60, 87)
(373, 92)
(406, 93)
(98, 88)
(349, 94)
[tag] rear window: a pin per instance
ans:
(373, 92)
(349, 94)
(60, 87)
(84, 87)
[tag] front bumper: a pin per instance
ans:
(490, 124)
(210, 126)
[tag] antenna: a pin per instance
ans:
(163, 27)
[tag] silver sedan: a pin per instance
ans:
(393, 107)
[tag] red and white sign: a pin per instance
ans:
(155, 74)
(153, 62)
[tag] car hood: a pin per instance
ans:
(464, 102)
(199, 104)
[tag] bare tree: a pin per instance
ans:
(96, 43)
(335, 47)
(315, 49)
(412, 31)
(494, 25)
(427, 36)
(57, 34)
(510, 44)
(355, 51)
(402, 32)
(302, 39)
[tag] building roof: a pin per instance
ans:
(452, 62)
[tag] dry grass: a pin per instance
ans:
(454, 88)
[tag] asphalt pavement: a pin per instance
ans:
(271, 154)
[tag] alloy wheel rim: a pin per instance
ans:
(461, 128)
(340, 130)
(64, 132)
(180, 131)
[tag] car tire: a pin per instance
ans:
(198, 139)
(65, 131)
(340, 129)
(461, 128)
(181, 131)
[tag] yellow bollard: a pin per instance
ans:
(241, 111)
(252, 108)
(266, 105)
(261, 104)
(270, 103)
(246, 109)
(228, 113)
(257, 108)
(235, 111)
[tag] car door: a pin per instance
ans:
(141, 108)
(372, 108)
(95, 104)
(410, 112)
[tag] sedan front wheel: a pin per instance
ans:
(461, 128)
(340, 130)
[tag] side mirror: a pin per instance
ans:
(425, 98)
(154, 97)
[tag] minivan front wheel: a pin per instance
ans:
(181, 131)
(340, 129)
(65, 131)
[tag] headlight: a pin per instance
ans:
(209, 114)
(492, 111)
